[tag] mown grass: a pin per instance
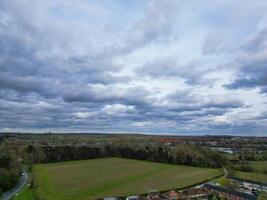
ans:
(25, 194)
(92, 179)
(259, 177)
(257, 166)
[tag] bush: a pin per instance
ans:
(263, 196)
(224, 181)
(246, 168)
(231, 173)
(8, 178)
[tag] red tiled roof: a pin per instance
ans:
(173, 194)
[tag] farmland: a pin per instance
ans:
(258, 177)
(257, 171)
(97, 178)
(255, 166)
(259, 167)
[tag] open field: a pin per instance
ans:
(258, 166)
(91, 179)
(251, 176)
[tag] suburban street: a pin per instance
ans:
(12, 192)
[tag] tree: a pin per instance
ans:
(263, 196)
(246, 168)
(224, 181)
(10, 168)
(5, 161)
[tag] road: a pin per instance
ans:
(225, 172)
(12, 192)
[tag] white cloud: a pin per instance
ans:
(83, 115)
(148, 64)
(118, 109)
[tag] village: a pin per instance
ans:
(245, 190)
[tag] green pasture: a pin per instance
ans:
(98, 178)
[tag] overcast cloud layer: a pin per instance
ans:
(177, 67)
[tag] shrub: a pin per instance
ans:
(246, 168)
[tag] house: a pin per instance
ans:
(111, 198)
(132, 198)
(173, 195)
(196, 193)
(136, 198)
(155, 195)
(229, 193)
(251, 185)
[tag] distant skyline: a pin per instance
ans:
(159, 66)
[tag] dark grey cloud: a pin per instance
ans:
(253, 66)
(252, 74)
(192, 73)
(153, 26)
(24, 69)
(27, 84)
(256, 43)
(63, 69)
(185, 101)
(109, 94)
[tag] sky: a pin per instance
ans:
(160, 66)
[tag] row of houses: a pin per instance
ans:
(230, 194)
(249, 185)
(198, 193)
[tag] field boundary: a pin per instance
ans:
(172, 186)
(149, 161)
(182, 188)
(249, 181)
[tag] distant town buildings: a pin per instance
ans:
(202, 192)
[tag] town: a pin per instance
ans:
(133, 100)
(247, 191)
(240, 163)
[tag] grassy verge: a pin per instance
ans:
(260, 167)
(25, 194)
(258, 177)
(255, 166)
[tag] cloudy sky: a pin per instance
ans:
(162, 66)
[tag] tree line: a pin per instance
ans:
(10, 168)
(181, 154)
(11, 157)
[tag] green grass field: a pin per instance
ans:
(25, 194)
(251, 176)
(99, 178)
(258, 166)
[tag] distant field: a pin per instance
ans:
(258, 166)
(251, 176)
(258, 174)
(99, 178)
